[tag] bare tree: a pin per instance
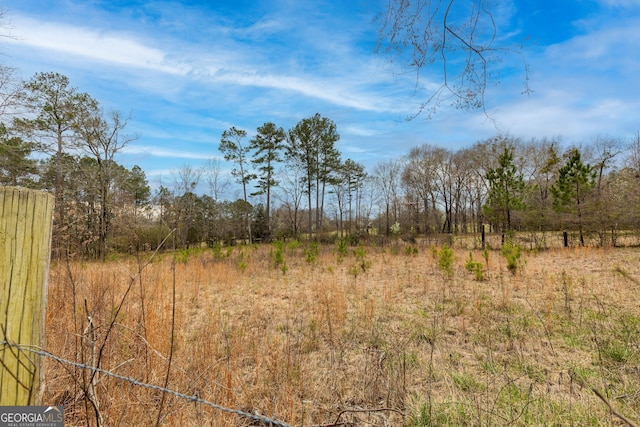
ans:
(419, 177)
(102, 139)
(10, 84)
(216, 180)
(387, 175)
(292, 189)
(633, 154)
(540, 173)
(187, 179)
(604, 150)
(10, 92)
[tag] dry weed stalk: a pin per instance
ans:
(316, 347)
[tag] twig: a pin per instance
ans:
(544, 326)
(133, 381)
(172, 333)
(613, 411)
(344, 411)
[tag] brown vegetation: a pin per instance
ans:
(383, 337)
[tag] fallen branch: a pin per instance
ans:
(613, 411)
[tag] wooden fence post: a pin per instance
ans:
(25, 244)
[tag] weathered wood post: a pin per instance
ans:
(25, 242)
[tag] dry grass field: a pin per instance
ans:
(367, 336)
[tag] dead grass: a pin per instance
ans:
(328, 339)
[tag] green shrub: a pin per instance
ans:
(513, 255)
(485, 254)
(182, 256)
(242, 261)
(342, 249)
(361, 258)
(311, 253)
(445, 260)
(475, 267)
(293, 244)
(277, 253)
(411, 250)
(362, 264)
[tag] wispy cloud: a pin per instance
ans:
(620, 3)
(349, 84)
(114, 48)
(332, 91)
(164, 152)
(560, 113)
(602, 48)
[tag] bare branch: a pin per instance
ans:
(453, 42)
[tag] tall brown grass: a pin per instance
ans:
(397, 344)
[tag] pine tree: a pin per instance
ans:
(506, 190)
(17, 168)
(268, 145)
(233, 149)
(311, 146)
(575, 182)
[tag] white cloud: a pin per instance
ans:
(562, 114)
(164, 152)
(620, 3)
(125, 50)
(601, 48)
(115, 48)
(335, 91)
(358, 130)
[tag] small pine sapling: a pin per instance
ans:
(475, 267)
(512, 253)
(445, 260)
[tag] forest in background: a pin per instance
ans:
(296, 183)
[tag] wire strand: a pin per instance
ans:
(192, 398)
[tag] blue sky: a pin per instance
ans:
(187, 70)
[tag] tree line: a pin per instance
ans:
(295, 182)
(514, 185)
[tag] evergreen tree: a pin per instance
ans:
(506, 190)
(138, 187)
(17, 168)
(268, 145)
(54, 107)
(234, 150)
(575, 182)
(311, 146)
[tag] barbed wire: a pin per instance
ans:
(192, 398)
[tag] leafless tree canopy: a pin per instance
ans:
(452, 46)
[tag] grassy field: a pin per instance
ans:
(335, 335)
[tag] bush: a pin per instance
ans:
(411, 250)
(342, 249)
(475, 267)
(513, 255)
(277, 253)
(445, 260)
(311, 253)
